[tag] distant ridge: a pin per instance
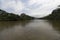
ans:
(55, 15)
(5, 16)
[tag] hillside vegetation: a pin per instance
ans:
(5, 16)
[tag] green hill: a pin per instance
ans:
(55, 15)
(23, 16)
(5, 16)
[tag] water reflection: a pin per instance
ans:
(10, 24)
(55, 24)
(28, 30)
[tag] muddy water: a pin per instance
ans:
(30, 30)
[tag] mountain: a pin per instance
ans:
(8, 16)
(55, 15)
(5, 16)
(23, 16)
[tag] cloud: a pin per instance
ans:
(12, 4)
(43, 7)
(36, 8)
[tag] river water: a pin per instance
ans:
(30, 30)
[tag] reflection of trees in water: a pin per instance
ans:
(10, 24)
(23, 23)
(55, 24)
(7, 24)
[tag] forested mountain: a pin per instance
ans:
(55, 15)
(13, 17)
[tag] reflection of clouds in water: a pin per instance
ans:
(35, 30)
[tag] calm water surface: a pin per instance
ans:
(30, 30)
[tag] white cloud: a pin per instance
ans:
(15, 5)
(46, 8)
(32, 7)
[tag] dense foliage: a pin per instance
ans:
(55, 15)
(23, 16)
(8, 16)
(13, 17)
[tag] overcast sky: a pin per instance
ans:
(36, 8)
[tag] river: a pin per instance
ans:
(30, 30)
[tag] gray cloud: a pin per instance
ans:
(30, 7)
